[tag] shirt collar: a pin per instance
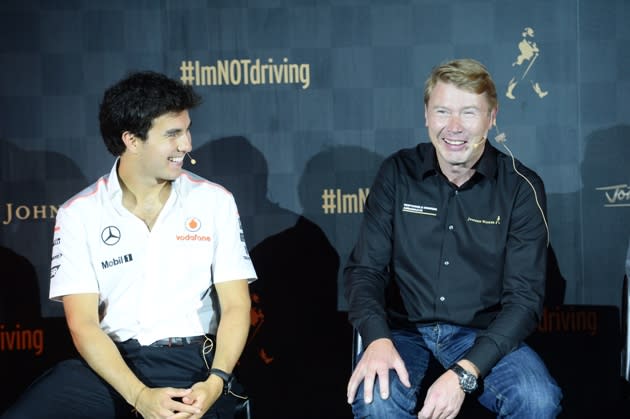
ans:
(428, 162)
(115, 191)
(113, 184)
(486, 165)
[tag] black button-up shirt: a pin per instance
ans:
(472, 256)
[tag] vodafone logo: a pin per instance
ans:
(193, 224)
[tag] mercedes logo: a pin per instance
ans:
(110, 235)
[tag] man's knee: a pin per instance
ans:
(538, 398)
(378, 408)
(400, 403)
(544, 399)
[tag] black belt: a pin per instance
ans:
(188, 340)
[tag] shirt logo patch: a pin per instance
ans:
(193, 224)
(420, 209)
(496, 221)
(110, 235)
(242, 234)
(117, 261)
(192, 237)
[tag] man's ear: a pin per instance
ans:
(493, 116)
(130, 140)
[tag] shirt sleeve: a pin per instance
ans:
(232, 259)
(366, 274)
(524, 278)
(71, 271)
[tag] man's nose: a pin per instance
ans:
(454, 124)
(185, 143)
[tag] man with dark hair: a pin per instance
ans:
(152, 270)
(459, 229)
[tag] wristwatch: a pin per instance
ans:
(467, 381)
(228, 379)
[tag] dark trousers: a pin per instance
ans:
(71, 389)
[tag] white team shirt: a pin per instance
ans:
(151, 284)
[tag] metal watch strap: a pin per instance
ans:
(227, 379)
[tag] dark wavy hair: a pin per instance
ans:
(135, 101)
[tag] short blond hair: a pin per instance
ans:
(466, 74)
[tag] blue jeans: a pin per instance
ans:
(519, 385)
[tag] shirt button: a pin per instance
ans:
(442, 298)
(450, 227)
(446, 263)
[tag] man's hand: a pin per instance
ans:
(379, 357)
(203, 396)
(159, 402)
(444, 398)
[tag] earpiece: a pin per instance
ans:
(500, 137)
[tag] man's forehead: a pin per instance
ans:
(445, 94)
(171, 119)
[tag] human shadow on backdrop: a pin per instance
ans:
(332, 191)
(605, 201)
(32, 339)
(590, 227)
(588, 334)
(295, 363)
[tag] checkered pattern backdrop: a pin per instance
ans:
(299, 155)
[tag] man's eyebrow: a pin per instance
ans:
(173, 131)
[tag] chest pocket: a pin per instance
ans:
(485, 233)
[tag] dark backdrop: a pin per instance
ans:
(302, 101)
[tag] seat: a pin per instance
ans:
(243, 410)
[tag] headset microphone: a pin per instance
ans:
(500, 137)
(478, 143)
(192, 161)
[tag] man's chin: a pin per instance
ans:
(169, 178)
(455, 158)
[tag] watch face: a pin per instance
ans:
(468, 382)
